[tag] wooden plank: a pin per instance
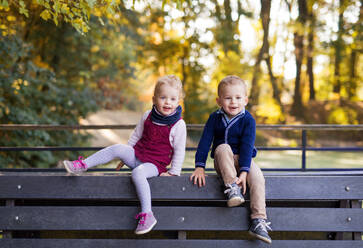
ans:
(178, 218)
(117, 243)
(120, 187)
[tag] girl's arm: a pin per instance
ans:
(179, 137)
(137, 133)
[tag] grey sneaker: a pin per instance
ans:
(146, 222)
(234, 195)
(75, 167)
(259, 228)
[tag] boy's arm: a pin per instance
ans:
(205, 142)
(202, 152)
(247, 145)
(180, 135)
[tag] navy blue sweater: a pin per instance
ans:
(239, 133)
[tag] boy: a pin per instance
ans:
(232, 129)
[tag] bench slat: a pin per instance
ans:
(118, 187)
(112, 243)
(178, 218)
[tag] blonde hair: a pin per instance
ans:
(172, 81)
(231, 79)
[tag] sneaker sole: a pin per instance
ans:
(147, 230)
(234, 202)
(69, 170)
(269, 241)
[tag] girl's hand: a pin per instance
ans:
(166, 174)
(241, 181)
(120, 165)
(199, 176)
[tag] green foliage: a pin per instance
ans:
(30, 94)
(75, 12)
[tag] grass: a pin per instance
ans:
(292, 159)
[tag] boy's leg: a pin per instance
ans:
(259, 227)
(225, 167)
(256, 184)
(224, 164)
(139, 177)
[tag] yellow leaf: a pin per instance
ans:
(45, 15)
(11, 18)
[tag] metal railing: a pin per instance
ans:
(302, 128)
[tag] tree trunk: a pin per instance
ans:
(297, 106)
(310, 53)
(352, 86)
(264, 55)
(338, 49)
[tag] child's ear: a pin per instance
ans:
(246, 101)
(154, 99)
(217, 101)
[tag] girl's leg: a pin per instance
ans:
(124, 152)
(139, 177)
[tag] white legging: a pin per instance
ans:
(140, 171)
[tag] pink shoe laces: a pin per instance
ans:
(79, 163)
(142, 217)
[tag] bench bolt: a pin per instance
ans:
(349, 219)
(181, 219)
(17, 218)
(19, 186)
(347, 188)
(183, 188)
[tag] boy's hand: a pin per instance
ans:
(199, 176)
(241, 181)
(120, 165)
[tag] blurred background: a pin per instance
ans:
(96, 62)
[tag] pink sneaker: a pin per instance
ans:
(75, 167)
(146, 222)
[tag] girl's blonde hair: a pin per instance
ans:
(231, 79)
(172, 81)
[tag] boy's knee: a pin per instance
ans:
(223, 149)
(257, 179)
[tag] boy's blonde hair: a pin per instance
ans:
(172, 81)
(231, 79)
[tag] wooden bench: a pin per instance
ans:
(96, 210)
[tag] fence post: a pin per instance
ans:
(303, 148)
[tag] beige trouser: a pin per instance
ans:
(226, 166)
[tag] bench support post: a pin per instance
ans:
(182, 235)
(357, 204)
(8, 234)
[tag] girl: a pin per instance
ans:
(158, 140)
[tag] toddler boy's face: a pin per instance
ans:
(232, 98)
(166, 99)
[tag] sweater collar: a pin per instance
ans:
(226, 118)
(166, 120)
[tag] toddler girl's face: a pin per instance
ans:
(166, 99)
(232, 99)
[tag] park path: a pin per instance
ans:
(106, 137)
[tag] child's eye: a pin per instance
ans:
(162, 97)
(228, 98)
